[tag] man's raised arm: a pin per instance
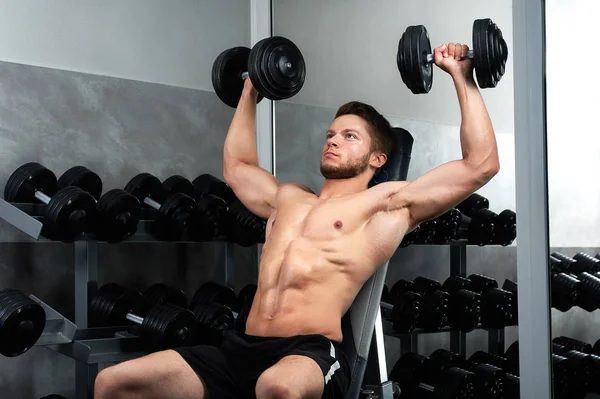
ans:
(254, 186)
(449, 184)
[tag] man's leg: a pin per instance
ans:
(292, 377)
(158, 375)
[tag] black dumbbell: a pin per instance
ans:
(210, 219)
(511, 387)
(117, 211)
(176, 211)
(447, 226)
(481, 226)
(209, 184)
(505, 230)
(215, 317)
(489, 379)
(159, 293)
(464, 306)
(248, 229)
(478, 228)
(410, 238)
(511, 286)
(427, 231)
(68, 213)
(588, 365)
(497, 305)
(413, 374)
(22, 321)
(585, 269)
(274, 65)
(420, 304)
(162, 327)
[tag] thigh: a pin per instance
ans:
(295, 376)
(158, 375)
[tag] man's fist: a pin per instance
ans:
(452, 58)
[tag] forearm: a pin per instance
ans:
(240, 143)
(477, 138)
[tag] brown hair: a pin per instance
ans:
(380, 129)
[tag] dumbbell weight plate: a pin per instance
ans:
(118, 215)
(413, 47)
(490, 53)
(213, 321)
(146, 185)
(83, 178)
(28, 178)
(227, 75)
(208, 184)
(399, 288)
(213, 292)
(168, 326)
(70, 213)
(175, 215)
(21, 322)
(111, 303)
(407, 371)
(406, 312)
(497, 308)
(464, 310)
(434, 311)
(276, 68)
(490, 381)
(212, 219)
(161, 293)
(178, 184)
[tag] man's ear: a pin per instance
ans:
(378, 159)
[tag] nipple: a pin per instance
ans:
(338, 224)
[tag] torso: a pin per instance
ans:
(317, 255)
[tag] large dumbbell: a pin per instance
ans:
(489, 380)
(413, 373)
(498, 306)
(586, 270)
(213, 198)
(69, 212)
(22, 321)
(176, 211)
(217, 311)
(117, 211)
(482, 226)
(464, 306)
(161, 327)
(415, 58)
(420, 303)
(275, 67)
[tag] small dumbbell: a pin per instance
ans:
(117, 211)
(69, 212)
(497, 305)
(588, 365)
(176, 211)
(162, 327)
(447, 226)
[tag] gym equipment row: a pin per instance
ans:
(462, 304)
(471, 221)
(444, 374)
(160, 316)
(69, 207)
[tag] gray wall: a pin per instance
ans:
(113, 87)
(350, 51)
(170, 42)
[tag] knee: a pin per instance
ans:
(271, 388)
(110, 383)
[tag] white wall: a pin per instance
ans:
(172, 42)
(573, 106)
(350, 49)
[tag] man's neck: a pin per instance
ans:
(340, 187)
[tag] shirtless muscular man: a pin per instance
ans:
(320, 249)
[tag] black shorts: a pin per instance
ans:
(232, 369)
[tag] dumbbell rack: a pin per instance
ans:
(409, 342)
(89, 347)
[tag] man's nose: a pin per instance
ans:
(332, 143)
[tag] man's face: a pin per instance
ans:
(347, 151)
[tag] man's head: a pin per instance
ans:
(359, 141)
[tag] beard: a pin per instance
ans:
(347, 171)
